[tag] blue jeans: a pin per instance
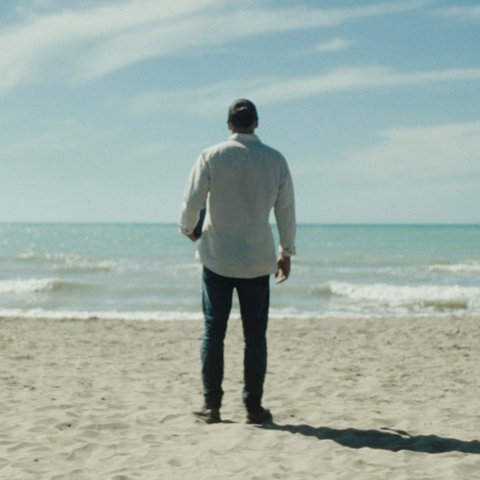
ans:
(254, 300)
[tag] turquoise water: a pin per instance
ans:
(138, 271)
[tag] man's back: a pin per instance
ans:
(246, 180)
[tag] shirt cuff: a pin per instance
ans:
(184, 230)
(287, 251)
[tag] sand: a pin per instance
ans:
(352, 399)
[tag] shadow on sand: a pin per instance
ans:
(383, 439)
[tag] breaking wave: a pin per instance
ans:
(436, 297)
(33, 285)
(466, 268)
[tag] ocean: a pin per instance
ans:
(148, 271)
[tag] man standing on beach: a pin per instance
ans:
(239, 181)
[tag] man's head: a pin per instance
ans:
(242, 116)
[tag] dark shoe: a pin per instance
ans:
(259, 416)
(208, 415)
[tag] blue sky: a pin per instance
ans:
(104, 105)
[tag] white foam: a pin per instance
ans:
(74, 262)
(100, 315)
(467, 268)
(30, 285)
(435, 296)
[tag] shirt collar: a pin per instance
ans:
(245, 137)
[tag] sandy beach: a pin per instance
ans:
(356, 399)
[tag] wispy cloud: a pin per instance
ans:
(88, 42)
(334, 45)
(466, 13)
(425, 173)
(447, 151)
(71, 39)
(267, 90)
(63, 137)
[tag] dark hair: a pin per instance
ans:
(242, 113)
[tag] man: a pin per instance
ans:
(239, 181)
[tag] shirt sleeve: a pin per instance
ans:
(195, 196)
(284, 211)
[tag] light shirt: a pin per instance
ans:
(240, 181)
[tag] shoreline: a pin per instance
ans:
(197, 316)
(364, 399)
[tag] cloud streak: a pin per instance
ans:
(447, 151)
(90, 42)
(466, 13)
(334, 45)
(70, 39)
(276, 90)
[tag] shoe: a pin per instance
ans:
(259, 416)
(208, 415)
